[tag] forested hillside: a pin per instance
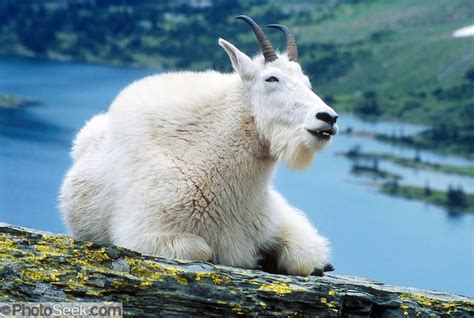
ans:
(390, 59)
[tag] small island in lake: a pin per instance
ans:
(416, 163)
(453, 199)
(14, 102)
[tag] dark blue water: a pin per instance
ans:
(393, 240)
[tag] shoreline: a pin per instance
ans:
(414, 163)
(34, 58)
(453, 200)
(432, 196)
(385, 138)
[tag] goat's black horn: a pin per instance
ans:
(290, 41)
(267, 49)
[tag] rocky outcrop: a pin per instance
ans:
(38, 266)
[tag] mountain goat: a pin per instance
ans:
(180, 165)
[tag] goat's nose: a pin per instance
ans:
(327, 118)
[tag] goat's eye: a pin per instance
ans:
(272, 79)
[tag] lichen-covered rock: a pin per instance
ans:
(38, 266)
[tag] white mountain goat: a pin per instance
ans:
(180, 165)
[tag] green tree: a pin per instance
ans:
(427, 190)
(456, 197)
(470, 75)
(369, 105)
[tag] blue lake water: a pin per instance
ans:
(389, 239)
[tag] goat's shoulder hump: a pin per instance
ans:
(174, 87)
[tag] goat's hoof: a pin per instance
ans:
(320, 272)
(317, 272)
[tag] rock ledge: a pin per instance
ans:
(39, 266)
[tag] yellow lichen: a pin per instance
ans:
(331, 292)
(54, 274)
(75, 285)
(45, 249)
(57, 240)
(176, 274)
(82, 276)
(449, 306)
(7, 244)
(421, 300)
(146, 274)
(331, 304)
(237, 309)
(36, 275)
(324, 300)
(116, 284)
(149, 271)
(405, 311)
(278, 288)
(96, 256)
(216, 278)
(252, 282)
(262, 304)
(93, 292)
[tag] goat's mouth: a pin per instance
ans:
(322, 134)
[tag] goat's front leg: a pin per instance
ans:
(185, 246)
(299, 249)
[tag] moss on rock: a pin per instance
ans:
(38, 266)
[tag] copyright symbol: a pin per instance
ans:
(5, 310)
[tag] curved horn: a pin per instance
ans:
(290, 41)
(267, 49)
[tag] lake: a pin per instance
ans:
(389, 239)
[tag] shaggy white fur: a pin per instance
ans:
(180, 166)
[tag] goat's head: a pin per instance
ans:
(289, 115)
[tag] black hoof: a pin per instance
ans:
(328, 268)
(317, 272)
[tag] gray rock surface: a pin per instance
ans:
(39, 266)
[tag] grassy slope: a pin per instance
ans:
(417, 52)
(404, 51)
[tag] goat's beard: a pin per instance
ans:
(293, 148)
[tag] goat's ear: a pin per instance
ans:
(240, 61)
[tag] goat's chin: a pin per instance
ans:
(297, 151)
(299, 158)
